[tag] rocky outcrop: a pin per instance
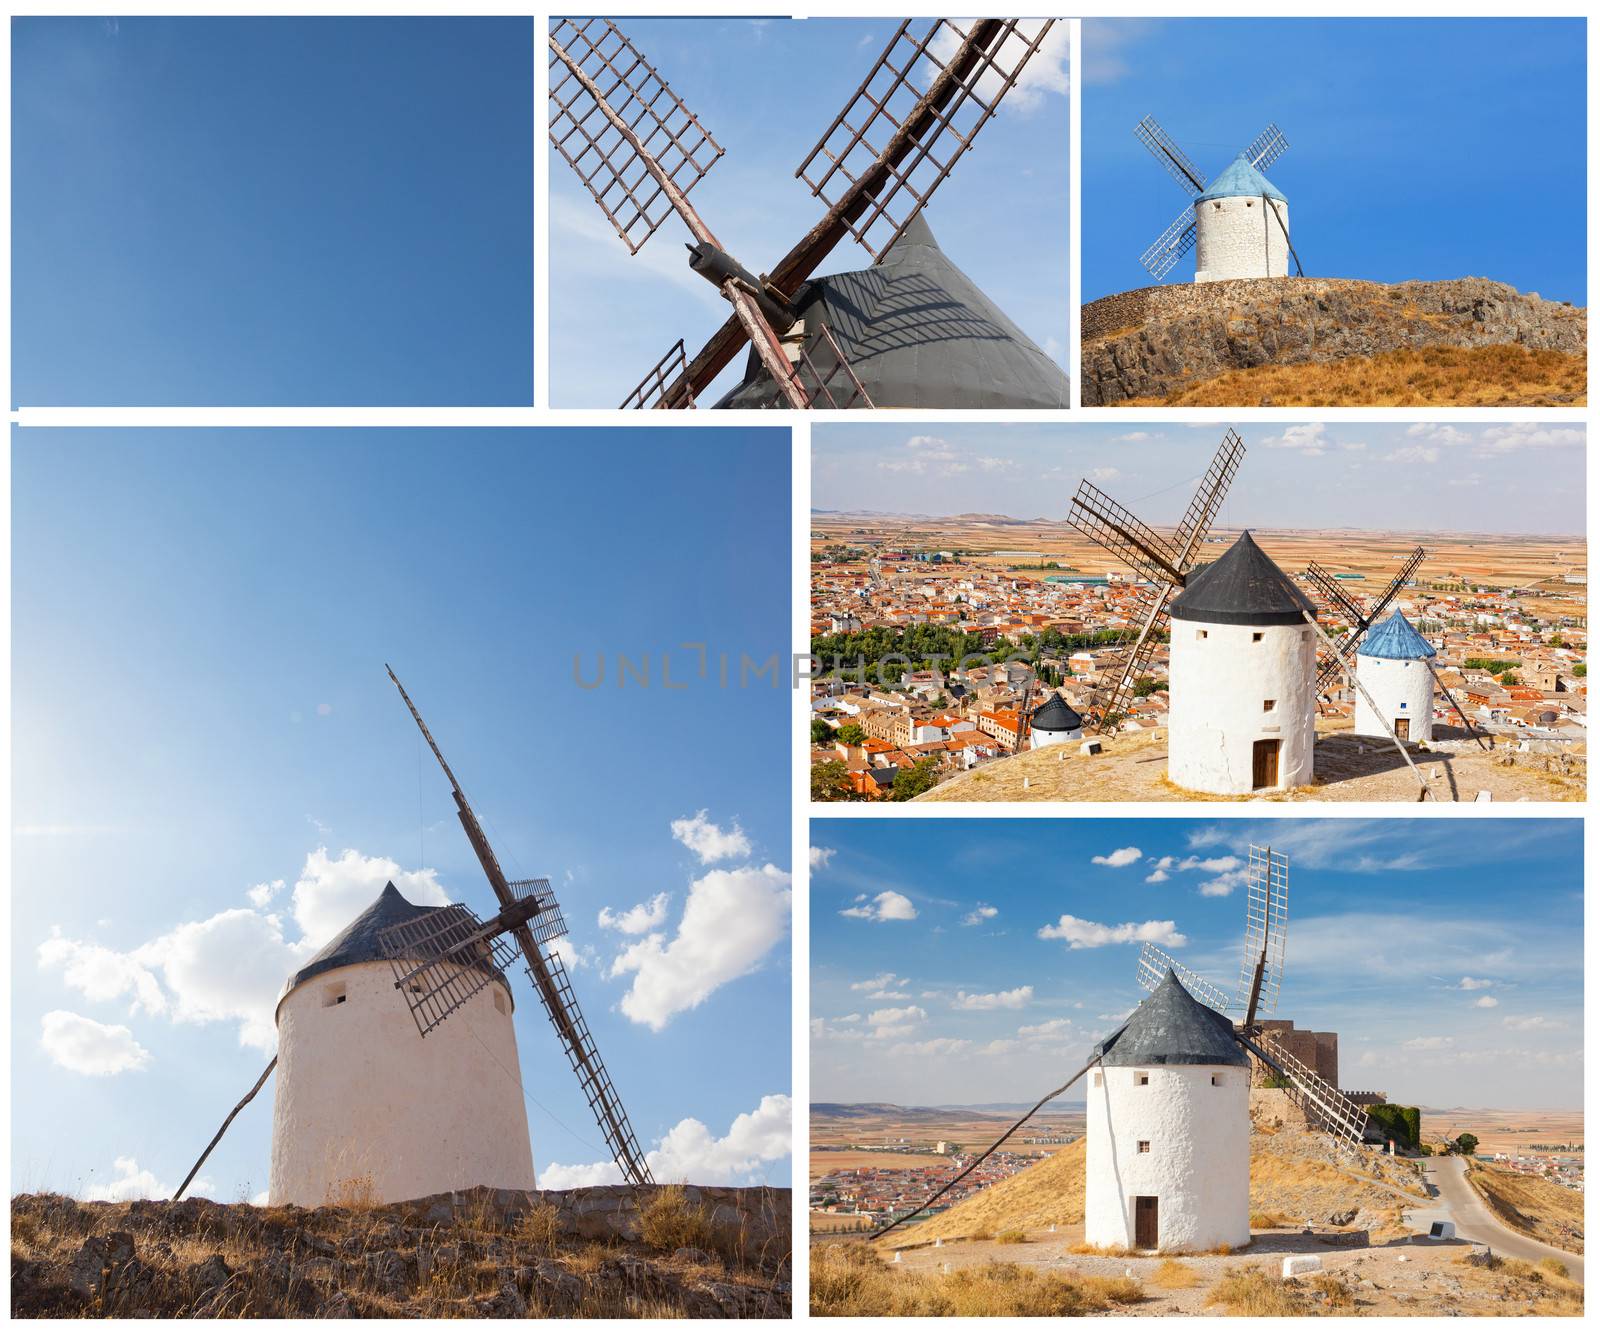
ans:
(1152, 341)
(483, 1253)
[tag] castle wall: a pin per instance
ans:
(1401, 688)
(1198, 1163)
(1240, 238)
(1221, 677)
(365, 1106)
(1327, 1062)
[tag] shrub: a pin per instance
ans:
(1401, 1123)
(541, 1226)
(1173, 1275)
(1011, 1238)
(1254, 1291)
(668, 1221)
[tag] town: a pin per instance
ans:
(933, 638)
(862, 1197)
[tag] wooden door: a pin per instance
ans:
(1146, 1228)
(1402, 728)
(1264, 764)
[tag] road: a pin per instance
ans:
(1459, 1203)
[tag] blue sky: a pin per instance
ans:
(1001, 217)
(272, 211)
(1417, 477)
(201, 624)
(1419, 148)
(1447, 954)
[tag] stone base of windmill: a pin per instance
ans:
(1154, 342)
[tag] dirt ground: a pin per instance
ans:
(1133, 767)
(1403, 1277)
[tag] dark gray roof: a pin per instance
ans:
(1055, 714)
(358, 942)
(918, 333)
(1171, 1027)
(1241, 587)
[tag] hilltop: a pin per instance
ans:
(611, 1251)
(1132, 767)
(1333, 342)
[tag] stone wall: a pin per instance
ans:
(1153, 340)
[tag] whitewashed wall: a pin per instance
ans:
(1235, 238)
(1400, 688)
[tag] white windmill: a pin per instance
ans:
(1393, 663)
(1237, 225)
(1168, 1133)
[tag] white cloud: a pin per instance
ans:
(709, 842)
(87, 1047)
(1081, 934)
(332, 891)
(638, 918)
(1474, 983)
(1437, 431)
(130, 1182)
(1486, 1002)
(1213, 865)
(1019, 998)
(1428, 1043)
(689, 1153)
(1123, 856)
(1100, 474)
(882, 982)
(1309, 438)
(933, 1046)
(731, 921)
(896, 1022)
(1527, 435)
(1044, 74)
(1157, 877)
(1413, 453)
(1053, 1027)
(102, 974)
(1532, 1023)
(979, 914)
(262, 894)
(887, 906)
(820, 856)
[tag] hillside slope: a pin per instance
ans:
(1159, 343)
(661, 1252)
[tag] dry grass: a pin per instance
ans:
(1256, 1292)
(1267, 1221)
(1545, 1287)
(1538, 1208)
(851, 1280)
(202, 1259)
(1100, 1251)
(1504, 375)
(1174, 1275)
(1048, 1193)
(1011, 1238)
(669, 1222)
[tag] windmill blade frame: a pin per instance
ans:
(441, 960)
(1323, 1103)
(651, 390)
(1165, 150)
(1151, 967)
(1195, 525)
(1266, 148)
(1266, 924)
(1172, 245)
(1121, 533)
(1331, 592)
(1106, 703)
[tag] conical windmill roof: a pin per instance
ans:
(358, 942)
(1241, 180)
(1395, 637)
(1241, 587)
(918, 333)
(1171, 1027)
(1055, 714)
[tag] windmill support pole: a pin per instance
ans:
(1422, 785)
(217, 1138)
(978, 1160)
(1465, 720)
(1299, 272)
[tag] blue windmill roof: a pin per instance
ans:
(1240, 180)
(1396, 638)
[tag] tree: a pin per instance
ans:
(913, 781)
(830, 781)
(1145, 686)
(1580, 669)
(852, 734)
(1510, 678)
(821, 732)
(1464, 1144)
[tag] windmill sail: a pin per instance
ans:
(1359, 620)
(545, 970)
(1154, 964)
(1266, 921)
(1165, 150)
(1324, 1105)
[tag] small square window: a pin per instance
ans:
(499, 1001)
(1216, 1080)
(1256, 637)
(1268, 705)
(1144, 1145)
(1143, 1080)
(333, 995)
(1199, 634)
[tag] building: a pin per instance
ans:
(1394, 670)
(1168, 1151)
(366, 1107)
(1241, 227)
(1242, 711)
(1053, 722)
(1317, 1051)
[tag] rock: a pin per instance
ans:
(386, 1272)
(688, 1254)
(87, 1270)
(507, 1303)
(1342, 1218)
(319, 1271)
(1296, 1264)
(338, 1307)
(210, 1273)
(555, 1285)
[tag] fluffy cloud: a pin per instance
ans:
(979, 914)
(820, 856)
(896, 1022)
(883, 981)
(1081, 934)
(1019, 998)
(1046, 72)
(887, 906)
(1050, 1028)
(86, 1047)
(1123, 856)
(262, 894)
(1486, 1002)
(332, 891)
(731, 920)
(637, 919)
(709, 842)
(1532, 1023)
(130, 1182)
(691, 1154)
(1310, 439)
(1474, 983)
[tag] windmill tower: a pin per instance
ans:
(1393, 664)
(1357, 619)
(1238, 225)
(910, 331)
(362, 1103)
(1244, 709)
(363, 1096)
(1054, 722)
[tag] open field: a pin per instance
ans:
(1505, 375)
(1506, 1131)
